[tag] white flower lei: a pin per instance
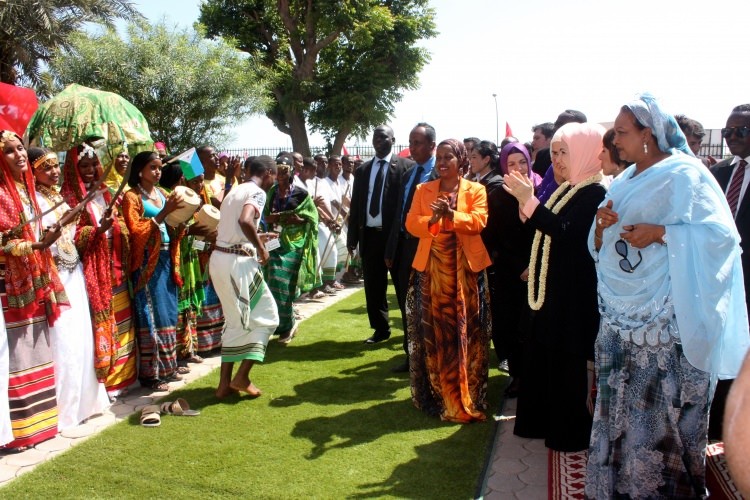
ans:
(536, 302)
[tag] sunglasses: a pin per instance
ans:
(742, 132)
(621, 247)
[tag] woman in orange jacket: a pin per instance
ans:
(448, 299)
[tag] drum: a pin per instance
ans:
(208, 216)
(190, 203)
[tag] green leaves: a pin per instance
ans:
(338, 66)
(189, 89)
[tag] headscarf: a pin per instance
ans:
(29, 278)
(663, 126)
(517, 147)
(584, 141)
(549, 185)
(102, 264)
(459, 150)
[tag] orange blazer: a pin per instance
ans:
(469, 219)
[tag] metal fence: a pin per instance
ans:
(364, 151)
(713, 145)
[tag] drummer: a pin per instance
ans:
(195, 243)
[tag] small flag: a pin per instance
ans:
(190, 164)
(344, 150)
(508, 131)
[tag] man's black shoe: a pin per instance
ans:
(378, 337)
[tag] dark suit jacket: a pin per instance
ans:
(542, 162)
(392, 245)
(723, 171)
(359, 208)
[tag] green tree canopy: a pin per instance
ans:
(339, 66)
(189, 89)
(31, 30)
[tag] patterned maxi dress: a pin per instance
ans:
(449, 328)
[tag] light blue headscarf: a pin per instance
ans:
(663, 126)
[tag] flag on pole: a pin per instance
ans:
(17, 105)
(508, 131)
(344, 151)
(190, 164)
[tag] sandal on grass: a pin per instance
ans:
(150, 416)
(179, 407)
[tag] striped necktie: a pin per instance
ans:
(733, 193)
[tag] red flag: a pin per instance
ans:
(344, 151)
(17, 105)
(508, 131)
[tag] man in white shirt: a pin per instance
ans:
(250, 311)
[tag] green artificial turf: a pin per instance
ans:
(333, 422)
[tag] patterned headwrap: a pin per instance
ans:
(31, 276)
(459, 150)
(663, 126)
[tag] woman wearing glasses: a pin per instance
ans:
(673, 311)
(554, 398)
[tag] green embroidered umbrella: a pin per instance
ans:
(79, 113)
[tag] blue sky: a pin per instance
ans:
(541, 57)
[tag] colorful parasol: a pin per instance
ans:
(79, 113)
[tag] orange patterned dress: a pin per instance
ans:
(449, 327)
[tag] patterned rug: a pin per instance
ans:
(567, 475)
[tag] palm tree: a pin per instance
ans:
(30, 31)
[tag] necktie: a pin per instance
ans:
(377, 191)
(417, 179)
(733, 193)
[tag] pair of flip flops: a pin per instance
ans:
(151, 414)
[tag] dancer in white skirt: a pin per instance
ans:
(249, 308)
(79, 394)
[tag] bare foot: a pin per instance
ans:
(250, 388)
(223, 392)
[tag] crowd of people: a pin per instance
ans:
(605, 267)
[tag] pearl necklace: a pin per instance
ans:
(536, 302)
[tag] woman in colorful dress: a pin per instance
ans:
(291, 212)
(32, 299)
(555, 390)
(674, 318)
(191, 294)
(155, 260)
(79, 394)
(103, 243)
(210, 320)
(447, 304)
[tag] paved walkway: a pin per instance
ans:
(518, 467)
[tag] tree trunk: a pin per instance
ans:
(338, 141)
(298, 131)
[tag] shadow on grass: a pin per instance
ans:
(361, 426)
(430, 457)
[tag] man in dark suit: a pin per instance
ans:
(402, 246)
(373, 209)
(733, 177)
